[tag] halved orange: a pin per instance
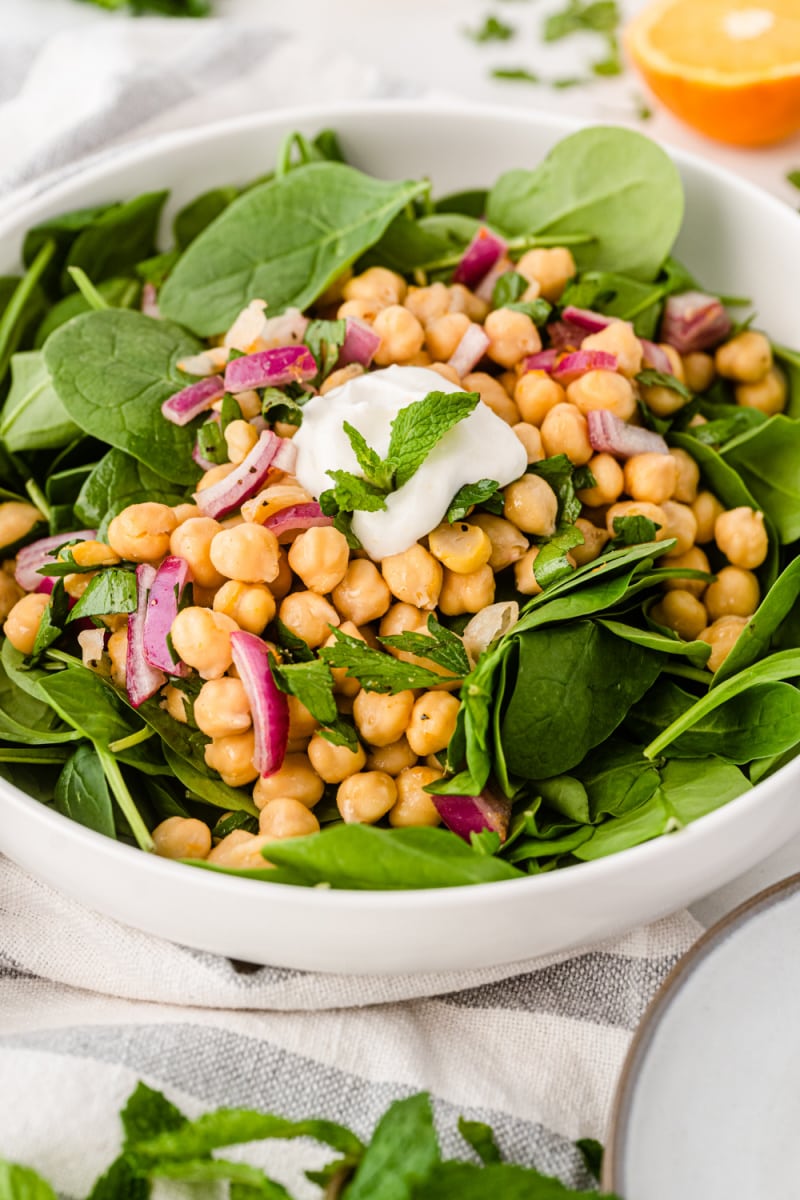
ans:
(729, 68)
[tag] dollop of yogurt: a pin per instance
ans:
(482, 446)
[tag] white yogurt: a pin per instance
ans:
(479, 447)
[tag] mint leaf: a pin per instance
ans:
(469, 495)
(312, 684)
(376, 671)
(492, 30)
(419, 427)
(564, 479)
(629, 531)
(592, 1154)
(599, 16)
(21, 1183)
(551, 563)
(352, 493)
(515, 75)
(377, 472)
(509, 287)
(440, 646)
(343, 521)
(479, 1135)
(650, 378)
(148, 1112)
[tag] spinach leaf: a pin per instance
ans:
(112, 371)
(33, 417)
(789, 361)
(482, 1140)
(756, 637)
(196, 216)
(607, 182)
(117, 293)
(82, 792)
(470, 203)
(617, 778)
(767, 459)
(696, 652)
(564, 478)
(285, 240)
(22, 306)
(430, 244)
(566, 796)
(116, 481)
(403, 1150)
(617, 295)
(508, 288)
(575, 684)
(25, 716)
(113, 242)
(61, 231)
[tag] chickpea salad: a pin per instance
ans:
(372, 540)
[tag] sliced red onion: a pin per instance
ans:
(572, 366)
(479, 257)
(286, 330)
(184, 406)
(566, 336)
(485, 289)
(607, 432)
(149, 302)
(198, 458)
(470, 350)
(285, 457)
(244, 481)
(694, 321)
(270, 368)
(585, 318)
(656, 357)
(544, 360)
(268, 706)
(39, 554)
(359, 345)
(296, 516)
(141, 679)
(162, 609)
(465, 815)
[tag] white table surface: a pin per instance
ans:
(421, 44)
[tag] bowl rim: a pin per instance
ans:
(93, 170)
(679, 976)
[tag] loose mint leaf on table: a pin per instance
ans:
(592, 1154)
(22, 1183)
(466, 1181)
(793, 177)
(515, 75)
(442, 646)
(148, 1113)
(234, 1126)
(482, 1140)
(597, 16)
(483, 493)
(492, 30)
(375, 671)
(285, 240)
(403, 1150)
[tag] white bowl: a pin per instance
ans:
(738, 240)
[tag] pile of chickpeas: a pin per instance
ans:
(243, 577)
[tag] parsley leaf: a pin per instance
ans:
(419, 427)
(565, 480)
(110, 591)
(340, 732)
(440, 645)
(508, 288)
(312, 683)
(492, 30)
(470, 494)
(291, 644)
(630, 531)
(376, 671)
(651, 378)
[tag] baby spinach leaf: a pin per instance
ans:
(617, 295)
(789, 361)
(196, 216)
(52, 621)
(22, 306)
(471, 203)
(696, 652)
(403, 1150)
(25, 716)
(62, 231)
(375, 671)
(82, 792)
(200, 782)
(33, 417)
(81, 699)
(575, 684)
(509, 287)
(767, 459)
(607, 182)
(113, 242)
(440, 645)
(112, 371)
(110, 591)
(117, 293)
(756, 637)
(482, 1140)
(617, 778)
(567, 796)
(480, 493)
(431, 243)
(285, 240)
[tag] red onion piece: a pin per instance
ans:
(285, 330)
(285, 456)
(485, 289)
(359, 345)
(470, 350)
(268, 706)
(479, 257)
(231, 492)
(184, 406)
(585, 318)
(39, 554)
(141, 680)
(473, 814)
(566, 336)
(544, 360)
(609, 433)
(694, 321)
(572, 366)
(149, 302)
(162, 609)
(656, 357)
(296, 516)
(270, 368)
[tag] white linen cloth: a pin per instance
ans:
(88, 1006)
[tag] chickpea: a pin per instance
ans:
(746, 358)
(308, 616)
(609, 482)
(362, 310)
(637, 508)
(335, 763)
(493, 395)
(403, 618)
(281, 585)
(17, 519)
(706, 508)
(10, 593)
(222, 708)
(432, 722)
(618, 338)
(461, 547)
(250, 605)
(202, 639)
(741, 537)
(362, 595)
(532, 505)
(531, 439)
(215, 475)
(768, 395)
(603, 390)
(463, 300)
(117, 648)
(687, 477)
(535, 393)
(447, 372)
(414, 577)
(414, 805)
(699, 371)
(302, 724)
(524, 579)
(401, 335)
(175, 703)
(735, 593)
(681, 611)
(366, 797)
(467, 593)
(381, 719)
(342, 376)
(550, 268)
(320, 557)
(93, 554)
(694, 559)
(721, 635)
(22, 623)
(594, 541)
(182, 837)
(663, 401)
(141, 532)
(240, 438)
(76, 584)
(681, 525)
(191, 540)
(566, 431)
(512, 336)
(296, 778)
(651, 477)
(443, 335)
(378, 286)
(247, 553)
(393, 758)
(428, 303)
(241, 851)
(232, 757)
(508, 544)
(285, 817)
